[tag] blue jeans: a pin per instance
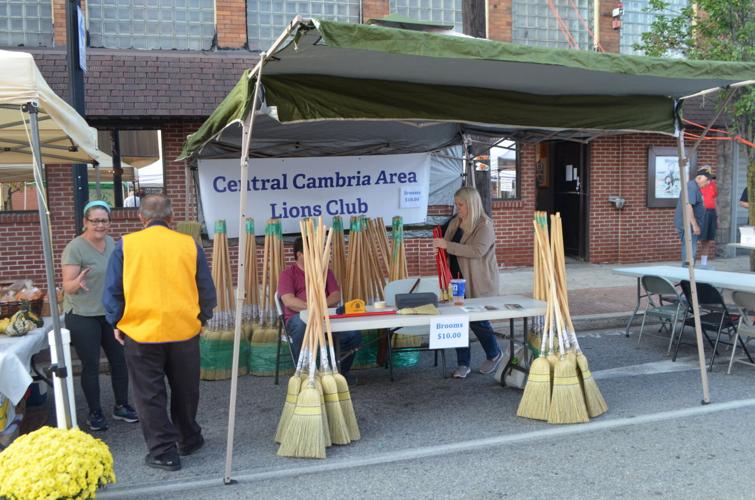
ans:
(347, 341)
(486, 336)
(695, 237)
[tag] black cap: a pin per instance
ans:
(706, 172)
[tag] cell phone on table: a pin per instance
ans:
(491, 308)
(514, 306)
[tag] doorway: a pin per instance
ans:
(563, 188)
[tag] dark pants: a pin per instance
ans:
(88, 334)
(347, 341)
(486, 335)
(149, 365)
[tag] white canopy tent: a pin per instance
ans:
(38, 127)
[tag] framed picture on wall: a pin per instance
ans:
(664, 179)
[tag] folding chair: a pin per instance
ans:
(281, 332)
(745, 302)
(714, 317)
(659, 290)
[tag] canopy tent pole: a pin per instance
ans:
(690, 257)
(247, 126)
(59, 369)
(469, 179)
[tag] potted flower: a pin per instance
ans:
(55, 463)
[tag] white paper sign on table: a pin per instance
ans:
(449, 331)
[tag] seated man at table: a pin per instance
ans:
(293, 294)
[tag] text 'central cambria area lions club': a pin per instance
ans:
(291, 188)
(336, 206)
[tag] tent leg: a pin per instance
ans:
(691, 263)
(59, 369)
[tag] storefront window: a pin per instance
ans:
(141, 163)
(267, 18)
(503, 161)
(442, 11)
(26, 23)
(17, 189)
(151, 24)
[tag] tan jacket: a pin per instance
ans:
(476, 255)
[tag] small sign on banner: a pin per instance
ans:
(410, 197)
(449, 331)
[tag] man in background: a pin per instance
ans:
(695, 209)
(709, 224)
(131, 200)
(293, 295)
(158, 294)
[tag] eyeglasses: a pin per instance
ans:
(101, 222)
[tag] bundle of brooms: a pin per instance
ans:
(264, 342)
(216, 340)
(364, 277)
(318, 411)
(560, 388)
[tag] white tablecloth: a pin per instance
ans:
(15, 360)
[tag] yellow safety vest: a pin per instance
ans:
(159, 286)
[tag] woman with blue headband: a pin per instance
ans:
(85, 261)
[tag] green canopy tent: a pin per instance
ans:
(373, 84)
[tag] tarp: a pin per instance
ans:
(65, 136)
(333, 71)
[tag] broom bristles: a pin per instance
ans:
(292, 394)
(536, 399)
(347, 407)
(339, 431)
(596, 405)
(567, 401)
(325, 426)
(304, 436)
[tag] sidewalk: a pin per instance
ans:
(598, 298)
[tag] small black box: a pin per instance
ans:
(415, 299)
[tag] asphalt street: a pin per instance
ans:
(425, 436)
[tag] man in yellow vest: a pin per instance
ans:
(158, 294)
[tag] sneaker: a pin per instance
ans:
(96, 421)
(188, 450)
(169, 461)
(126, 413)
(490, 365)
(461, 372)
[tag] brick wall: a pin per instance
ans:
(499, 20)
(374, 9)
(609, 37)
(636, 233)
(230, 24)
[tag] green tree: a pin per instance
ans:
(722, 30)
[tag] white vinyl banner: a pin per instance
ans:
(294, 188)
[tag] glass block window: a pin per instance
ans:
(443, 11)
(26, 22)
(152, 24)
(267, 18)
(635, 22)
(533, 23)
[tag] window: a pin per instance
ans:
(443, 11)
(26, 22)
(504, 171)
(17, 189)
(534, 23)
(152, 24)
(635, 22)
(142, 164)
(267, 18)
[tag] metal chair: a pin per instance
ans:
(745, 302)
(714, 317)
(281, 332)
(659, 290)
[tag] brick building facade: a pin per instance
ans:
(175, 90)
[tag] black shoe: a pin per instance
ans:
(168, 461)
(188, 450)
(96, 421)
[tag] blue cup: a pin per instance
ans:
(458, 288)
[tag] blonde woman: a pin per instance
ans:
(470, 243)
